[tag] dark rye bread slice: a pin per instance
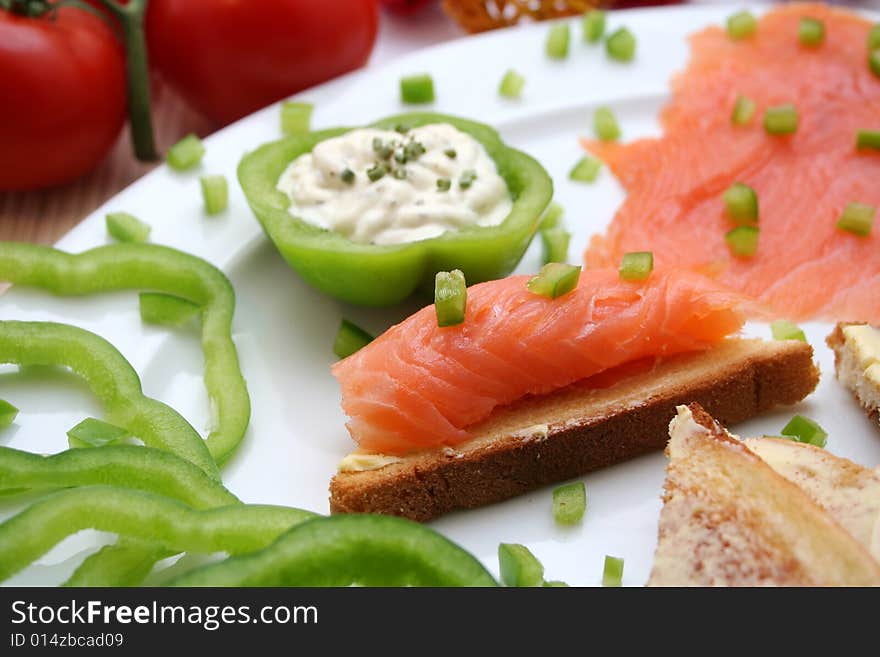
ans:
(550, 438)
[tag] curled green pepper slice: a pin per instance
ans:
(349, 549)
(372, 275)
(113, 381)
(136, 514)
(160, 269)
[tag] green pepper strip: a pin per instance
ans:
(113, 381)
(349, 549)
(161, 269)
(135, 514)
(127, 563)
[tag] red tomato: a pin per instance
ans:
(62, 85)
(405, 7)
(228, 58)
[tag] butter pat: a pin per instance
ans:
(362, 461)
(864, 342)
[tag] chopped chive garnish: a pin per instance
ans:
(8, 413)
(782, 329)
(552, 216)
(166, 309)
(868, 139)
(450, 153)
(415, 89)
(612, 574)
(594, 25)
(605, 124)
(382, 149)
(95, 433)
(125, 227)
(185, 154)
(586, 170)
(636, 266)
(554, 280)
(399, 173)
(741, 25)
(857, 218)
(349, 339)
(413, 150)
(519, 567)
(215, 193)
(874, 37)
(402, 128)
(511, 84)
(781, 120)
(743, 110)
(811, 32)
(468, 176)
(296, 118)
(569, 503)
(621, 45)
(450, 297)
(347, 176)
(554, 584)
(554, 242)
(805, 430)
(741, 203)
(443, 184)
(743, 240)
(376, 172)
(874, 62)
(558, 38)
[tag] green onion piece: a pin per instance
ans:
(416, 89)
(558, 38)
(636, 266)
(586, 170)
(412, 151)
(402, 128)
(857, 218)
(743, 110)
(8, 413)
(874, 37)
(450, 297)
(554, 280)
(554, 584)
(347, 176)
(741, 25)
(743, 240)
(166, 309)
(811, 32)
(781, 120)
(569, 503)
(552, 216)
(782, 329)
(444, 184)
(450, 153)
(215, 192)
(296, 118)
(594, 25)
(805, 430)
(95, 433)
(612, 575)
(874, 62)
(555, 243)
(468, 176)
(868, 139)
(349, 339)
(511, 84)
(741, 203)
(382, 149)
(605, 124)
(376, 172)
(518, 566)
(621, 45)
(399, 173)
(185, 154)
(125, 227)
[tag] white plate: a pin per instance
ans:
(284, 329)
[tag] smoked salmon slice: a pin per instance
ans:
(805, 267)
(419, 385)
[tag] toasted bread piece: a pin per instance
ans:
(852, 366)
(729, 519)
(550, 438)
(849, 492)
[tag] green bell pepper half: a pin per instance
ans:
(373, 275)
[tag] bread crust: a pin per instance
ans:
(568, 433)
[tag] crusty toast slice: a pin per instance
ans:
(857, 362)
(849, 492)
(729, 519)
(550, 438)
